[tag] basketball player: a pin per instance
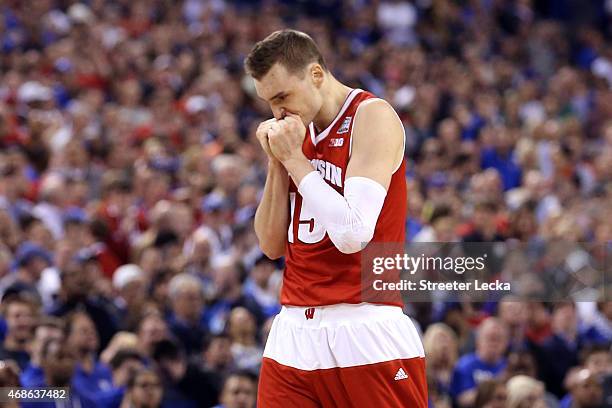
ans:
(336, 181)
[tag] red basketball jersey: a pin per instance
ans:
(316, 272)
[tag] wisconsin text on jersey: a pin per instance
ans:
(329, 172)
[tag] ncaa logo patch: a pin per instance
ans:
(344, 128)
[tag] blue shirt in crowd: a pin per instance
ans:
(508, 169)
(471, 370)
(100, 379)
(32, 377)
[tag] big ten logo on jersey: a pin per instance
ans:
(330, 172)
(336, 142)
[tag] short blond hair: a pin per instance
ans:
(519, 388)
(293, 49)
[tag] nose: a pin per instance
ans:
(280, 113)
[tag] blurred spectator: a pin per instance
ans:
(523, 225)
(217, 356)
(186, 297)
(185, 385)
(121, 340)
(199, 256)
(144, 390)
(116, 218)
(239, 391)
(228, 295)
(484, 223)
(59, 367)
(513, 313)
(9, 377)
(52, 199)
(525, 392)
(442, 226)
(597, 315)
(538, 322)
(242, 329)
(47, 329)
(560, 351)
(441, 349)
(90, 376)
(152, 329)
(598, 360)
(13, 204)
(77, 293)
(129, 283)
(20, 315)
(487, 362)
(263, 285)
(5, 261)
(456, 316)
(491, 394)
(500, 156)
(521, 362)
(584, 390)
(125, 364)
(30, 261)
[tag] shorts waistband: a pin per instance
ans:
(334, 315)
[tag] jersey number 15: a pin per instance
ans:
(308, 231)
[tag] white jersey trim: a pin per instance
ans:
(341, 336)
(313, 133)
(403, 141)
(346, 104)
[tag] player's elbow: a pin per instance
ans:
(272, 245)
(272, 251)
(352, 241)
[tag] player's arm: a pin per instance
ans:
(350, 220)
(271, 218)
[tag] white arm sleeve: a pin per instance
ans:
(350, 220)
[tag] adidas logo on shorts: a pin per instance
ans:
(400, 375)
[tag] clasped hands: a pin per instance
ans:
(282, 139)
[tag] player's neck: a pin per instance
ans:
(334, 95)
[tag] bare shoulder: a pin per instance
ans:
(376, 119)
(376, 142)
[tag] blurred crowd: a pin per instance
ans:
(130, 174)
